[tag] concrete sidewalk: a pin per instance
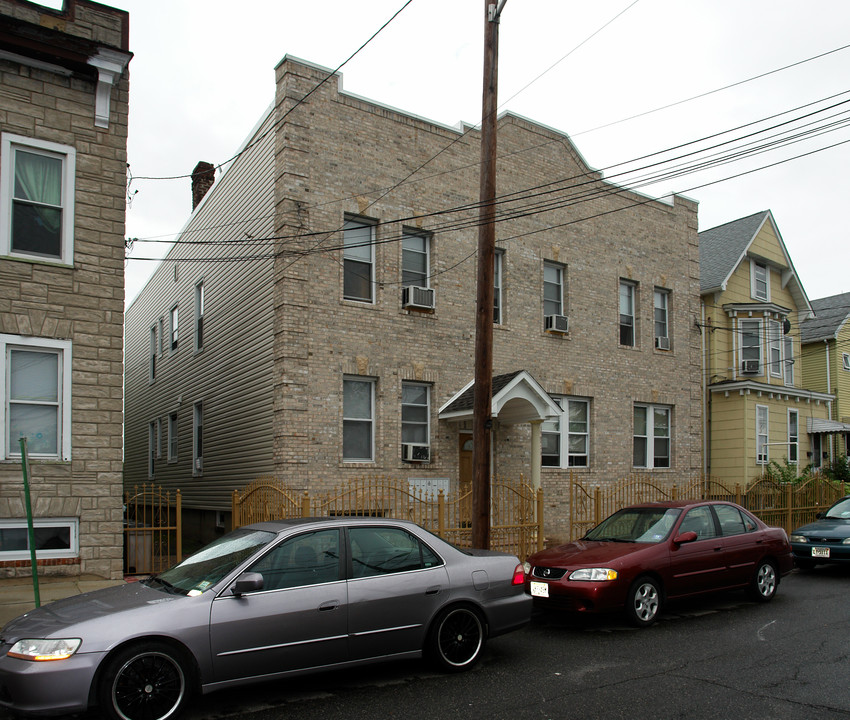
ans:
(17, 596)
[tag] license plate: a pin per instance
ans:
(820, 552)
(539, 589)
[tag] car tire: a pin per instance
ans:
(765, 582)
(456, 639)
(145, 681)
(643, 602)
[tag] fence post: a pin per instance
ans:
(235, 520)
(674, 493)
(788, 508)
(539, 518)
(441, 513)
(305, 504)
(738, 493)
(597, 506)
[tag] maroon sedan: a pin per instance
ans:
(643, 555)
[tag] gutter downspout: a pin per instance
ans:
(706, 444)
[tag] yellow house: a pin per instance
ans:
(826, 366)
(757, 407)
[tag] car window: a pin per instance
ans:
(384, 550)
(732, 520)
(841, 509)
(307, 559)
(700, 520)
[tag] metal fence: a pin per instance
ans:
(781, 504)
(516, 509)
(152, 529)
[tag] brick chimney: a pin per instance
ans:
(203, 177)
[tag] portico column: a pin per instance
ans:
(536, 453)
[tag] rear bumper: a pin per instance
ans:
(508, 613)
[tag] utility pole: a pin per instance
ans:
(483, 388)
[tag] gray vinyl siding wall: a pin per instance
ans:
(232, 374)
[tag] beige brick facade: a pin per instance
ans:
(48, 95)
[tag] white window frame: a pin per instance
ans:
(756, 269)
(199, 316)
(153, 353)
(498, 294)
(631, 295)
(198, 438)
(561, 427)
(63, 348)
(758, 334)
(650, 437)
(553, 302)
(9, 144)
(425, 239)
(788, 360)
(762, 434)
(73, 524)
(353, 224)
(369, 421)
(174, 327)
(846, 361)
(661, 306)
(774, 347)
(413, 424)
(793, 436)
(172, 437)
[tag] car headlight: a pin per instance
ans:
(594, 574)
(798, 538)
(526, 567)
(846, 541)
(43, 649)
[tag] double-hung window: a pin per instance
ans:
(651, 436)
(358, 419)
(759, 281)
(37, 403)
(750, 333)
(172, 437)
(788, 360)
(661, 310)
(498, 299)
(846, 361)
(37, 199)
(793, 435)
(415, 414)
(415, 260)
(627, 313)
(198, 439)
(566, 439)
(762, 434)
(199, 316)
(151, 447)
(174, 329)
(358, 261)
(774, 329)
(153, 349)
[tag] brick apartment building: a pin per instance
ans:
(63, 139)
(320, 324)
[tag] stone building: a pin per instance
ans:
(315, 320)
(63, 164)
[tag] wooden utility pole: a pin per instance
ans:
(483, 389)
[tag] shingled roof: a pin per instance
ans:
(830, 315)
(722, 248)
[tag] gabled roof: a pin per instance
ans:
(722, 249)
(831, 314)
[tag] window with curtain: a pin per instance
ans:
(358, 418)
(651, 436)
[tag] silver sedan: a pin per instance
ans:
(265, 601)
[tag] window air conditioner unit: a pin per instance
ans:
(556, 323)
(750, 367)
(415, 453)
(418, 298)
(662, 343)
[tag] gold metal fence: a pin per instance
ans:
(516, 509)
(152, 529)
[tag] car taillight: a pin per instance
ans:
(519, 575)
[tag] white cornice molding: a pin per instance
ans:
(109, 64)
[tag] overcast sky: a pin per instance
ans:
(203, 73)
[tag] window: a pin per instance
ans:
(661, 304)
(759, 281)
(761, 434)
(37, 199)
(151, 447)
(37, 403)
(651, 436)
(161, 336)
(53, 537)
(415, 413)
(751, 343)
(309, 559)
(386, 550)
(701, 521)
(358, 420)
(789, 360)
(498, 300)
(793, 435)
(358, 261)
(415, 260)
(774, 330)
(172, 437)
(846, 361)
(153, 345)
(570, 448)
(553, 289)
(174, 328)
(733, 521)
(198, 439)
(817, 450)
(627, 313)
(199, 316)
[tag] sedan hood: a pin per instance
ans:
(78, 609)
(585, 552)
(828, 527)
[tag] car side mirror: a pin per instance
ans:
(247, 582)
(685, 537)
(821, 515)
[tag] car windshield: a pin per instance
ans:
(840, 511)
(637, 525)
(199, 572)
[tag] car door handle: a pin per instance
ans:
(433, 590)
(329, 605)
(718, 548)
